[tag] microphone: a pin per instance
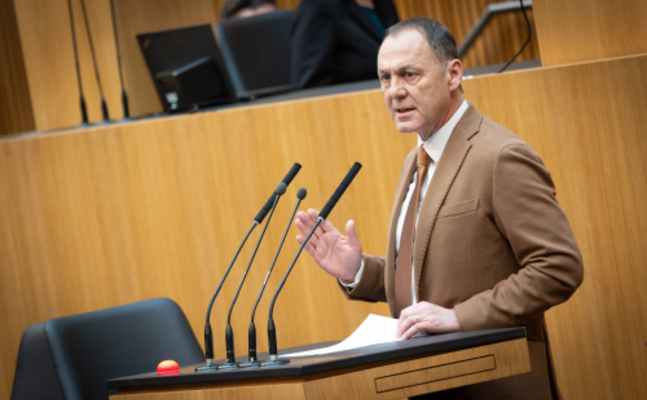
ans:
(252, 360)
(104, 107)
(271, 328)
(84, 110)
(340, 191)
(210, 364)
(268, 204)
(124, 97)
(229, 333)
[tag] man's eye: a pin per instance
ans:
(410, 74)
(386, 77)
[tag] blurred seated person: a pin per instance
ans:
(246, 8)
(336, 41)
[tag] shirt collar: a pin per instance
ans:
(435, 145)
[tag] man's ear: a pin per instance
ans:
(454, 73)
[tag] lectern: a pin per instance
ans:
(392, 370)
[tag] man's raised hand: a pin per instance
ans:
(340, 256)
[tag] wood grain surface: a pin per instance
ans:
(15, 111)
(390, 381)
(578, 31)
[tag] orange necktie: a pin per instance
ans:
(403, 297)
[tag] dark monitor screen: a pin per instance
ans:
(187, 68)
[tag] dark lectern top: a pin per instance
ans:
(303, 366)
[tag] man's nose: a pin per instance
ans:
(397, 88)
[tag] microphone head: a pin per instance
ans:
(280, 189)
(302, 193)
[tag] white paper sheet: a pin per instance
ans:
(374, 330)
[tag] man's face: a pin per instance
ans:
(417, 89)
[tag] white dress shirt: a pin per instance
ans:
(434, 147)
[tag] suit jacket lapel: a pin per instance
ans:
(449, 165)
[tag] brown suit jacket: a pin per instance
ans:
(492, 242)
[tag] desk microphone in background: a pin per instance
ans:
(84, 109)
(124, 96)
(104, 106)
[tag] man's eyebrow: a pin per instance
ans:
(407, 66)
(400, 68)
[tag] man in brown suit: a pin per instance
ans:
(492, 248)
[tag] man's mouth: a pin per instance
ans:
(404, 110)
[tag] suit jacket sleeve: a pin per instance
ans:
(371, 285)
(526, 213)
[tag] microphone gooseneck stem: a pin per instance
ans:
(271, 328)
(252, 327)
(84, 109)
(208, 337)
(229, 335)
(124, 97)
(104, 107)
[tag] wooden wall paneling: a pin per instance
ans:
(497, 44)
(576, 31)
(50, 67)
(119, 213)
(143, 16)
(591, 138)
(103, 40)
(15, 104)
(46, 38)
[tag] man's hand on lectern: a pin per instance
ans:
(426, 317)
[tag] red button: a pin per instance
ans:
(168, 367)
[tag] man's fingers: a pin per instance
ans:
(351, 233)
(305, 220)
(408, 326)
(309, 247)
(302, 227)
(412, 331)
(327, 226)
(313, 215)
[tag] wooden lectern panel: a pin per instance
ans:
(426, 375)
(380, 381)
